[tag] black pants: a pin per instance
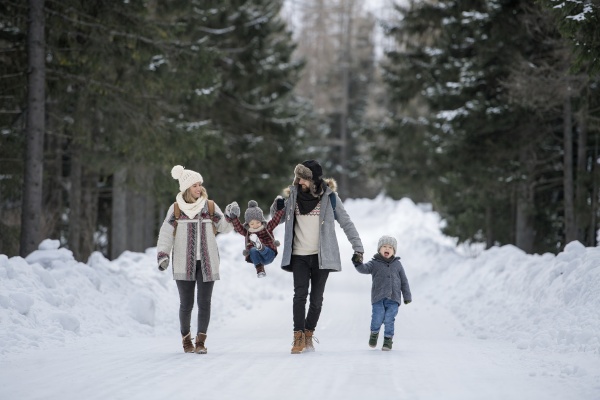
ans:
(307, 273)
(186, 302)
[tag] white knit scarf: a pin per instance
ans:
(254, 230)
(190, 209)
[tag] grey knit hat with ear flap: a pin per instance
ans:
(254, 213)
(390, 241)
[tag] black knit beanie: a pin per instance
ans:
(317, 171)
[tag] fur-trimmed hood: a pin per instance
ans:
(329, 181)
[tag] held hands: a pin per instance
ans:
(357, 258)
(280, 203)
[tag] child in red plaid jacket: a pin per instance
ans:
(261, 246)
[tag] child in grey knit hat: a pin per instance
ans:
(389, 286)
(261, 246)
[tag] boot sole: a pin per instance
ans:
(385, 349)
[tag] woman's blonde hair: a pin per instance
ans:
(187, 195)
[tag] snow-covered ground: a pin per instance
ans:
(495, 324)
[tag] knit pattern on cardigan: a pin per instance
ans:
(193, 240)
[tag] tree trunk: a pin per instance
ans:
(118, 230)
(568, 185)
(148, 228)
(135, 219)
(89, 215)
(31, 210)
(489, 227)
(346, 39)
(581, 192)
(525, 204)
(595, 208)
(53, 195)
(525, 233)
(75, 199)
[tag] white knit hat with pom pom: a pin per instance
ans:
(186, 177)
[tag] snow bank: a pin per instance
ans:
(534, 301)
(49, 298)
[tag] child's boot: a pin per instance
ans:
(260, 271)
(387, 344)
(373, 339)
(309, 340)
(188, 346)
(200, 340)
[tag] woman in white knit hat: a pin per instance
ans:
(188, 233)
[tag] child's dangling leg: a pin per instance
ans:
(261, 257)
(260, 271)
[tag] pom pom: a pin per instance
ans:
(177, 171)
(252, 203)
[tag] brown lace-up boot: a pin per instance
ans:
(298, 343)
(188, 346)
(309, 338)
(200, 339)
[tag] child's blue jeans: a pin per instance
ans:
(264, 256)
(384, 312)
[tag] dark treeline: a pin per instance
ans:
(495, 119)
(133, 88)
(488, 110)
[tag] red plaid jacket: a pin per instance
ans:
(265, 235)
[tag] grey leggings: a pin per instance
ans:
(186, 302)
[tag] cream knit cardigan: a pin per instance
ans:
(194, 240)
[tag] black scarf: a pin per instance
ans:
(306, 201)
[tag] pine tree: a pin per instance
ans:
(456, 58)
(579, 21)
(255, 116)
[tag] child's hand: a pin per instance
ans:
(235, 210)
(357, 258)
(230, 210)
(280, 203)
(407, 301)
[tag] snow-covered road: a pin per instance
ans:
(433, 358)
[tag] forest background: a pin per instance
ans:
(488, 110)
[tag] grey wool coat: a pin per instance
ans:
(329, 251)
(389, 279)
